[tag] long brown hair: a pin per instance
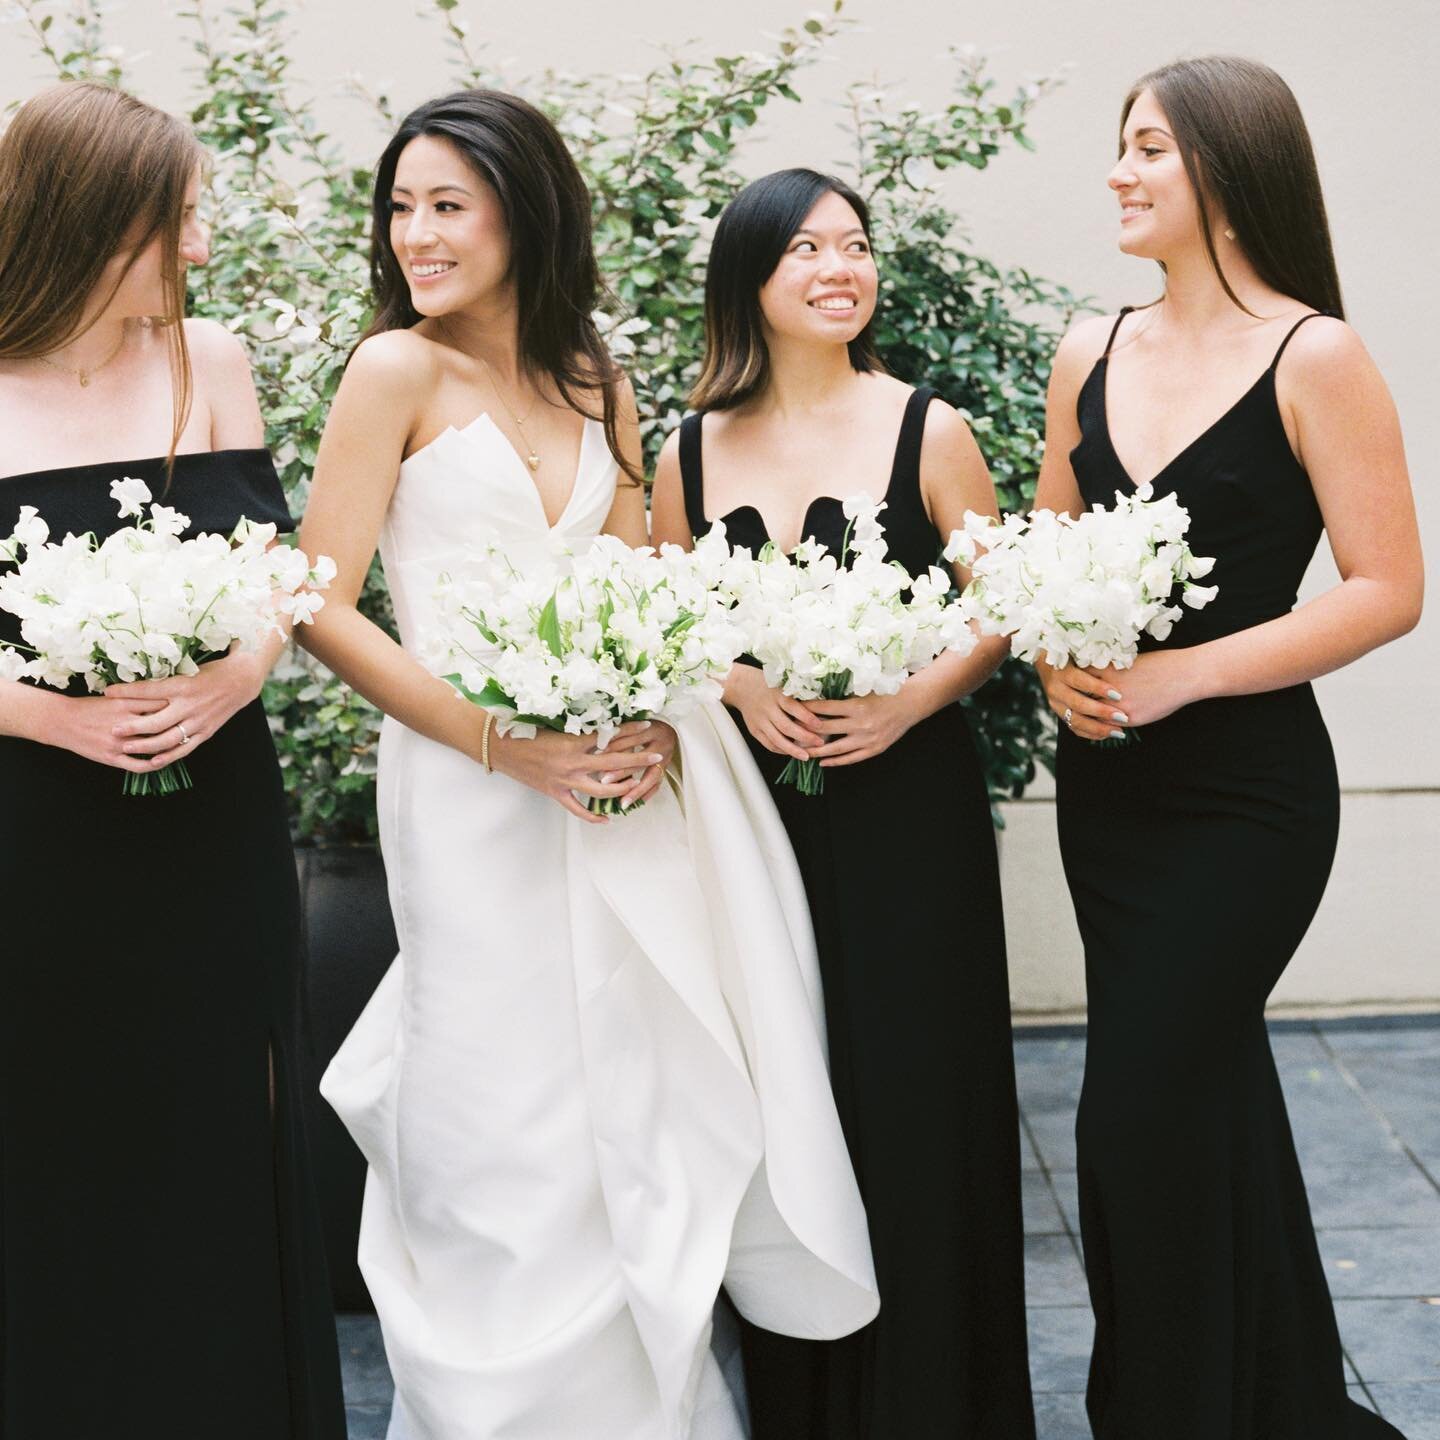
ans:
(519, 153)
(754, 229)
(1245, 147)
(86, 172)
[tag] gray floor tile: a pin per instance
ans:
(1054, 1132)
(1067, 1191)
(1358, 1395)
(1060, 1348)
(1421, 1041)
(1413, 1408)
(1386, 1193)
(1400, 1263)
(1042, 1210)
(367, 1422)
(1029, 1160)
(1391, 1339)
(1061, 1417)
(1052, 1272)
(362, 1361)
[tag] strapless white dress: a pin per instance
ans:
(592, 1087)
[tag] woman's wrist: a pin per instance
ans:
(32, 712)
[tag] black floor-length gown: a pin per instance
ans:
(161, 1271)
(1196, 859)
(898, 857)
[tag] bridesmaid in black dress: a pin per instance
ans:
(793, 414)
(1197, 857)
(161, 1276)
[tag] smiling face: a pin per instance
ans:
(142, 290)
(825, 285)
(447, 228)
(1159, 211)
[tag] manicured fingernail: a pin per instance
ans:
(1113, 694)
(655, 759)
(1121, 716)
(1117, 734)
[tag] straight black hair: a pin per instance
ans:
(1244, 145)
(519, 153)
(754, 230)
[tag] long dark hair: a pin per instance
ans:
(518, 152)
(750, 239)
(87, 171)
(1245, 148)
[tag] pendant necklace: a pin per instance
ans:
(531, 458)
(84, 374)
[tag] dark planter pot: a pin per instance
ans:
(349, 944)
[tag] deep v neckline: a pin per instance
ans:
(1103, 365)
(518, 467)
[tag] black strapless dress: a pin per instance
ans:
(898, 857)
(161, 1269)
(1196, 859)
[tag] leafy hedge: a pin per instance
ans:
(662, 155)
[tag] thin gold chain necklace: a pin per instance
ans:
(83, 373)
(532, 458)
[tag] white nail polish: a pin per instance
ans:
(1121, 716)
(1113, 694)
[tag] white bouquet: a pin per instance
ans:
(1082, 588)
(825, 631)
(143, 604)
(583, 643)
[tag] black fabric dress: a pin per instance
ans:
(898, 858)
(161, 1270)
(1196, 859)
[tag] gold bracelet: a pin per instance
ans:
(485, 742)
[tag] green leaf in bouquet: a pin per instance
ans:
(548, 627)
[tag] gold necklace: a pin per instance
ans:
(82, 373)
(531, 459)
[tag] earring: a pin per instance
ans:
(1229, 233)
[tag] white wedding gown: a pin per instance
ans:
(592, 1087)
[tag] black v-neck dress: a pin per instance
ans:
(1196, 859)
(899, 863)
(161, 1266)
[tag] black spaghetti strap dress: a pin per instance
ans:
(1196, 859)
(898, 858)
(161, 1266)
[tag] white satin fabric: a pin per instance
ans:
(592, 1087)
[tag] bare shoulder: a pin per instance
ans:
(1326, 350)
(403, 358)
(215, 350)
(1084, 343)
(947, 435)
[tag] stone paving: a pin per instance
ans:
(1364, 1100)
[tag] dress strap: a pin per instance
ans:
(912, 437)
(1290, 334)
(1115, 329)
(691, 476)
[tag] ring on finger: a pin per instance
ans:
(1069, 718)
(184, 734)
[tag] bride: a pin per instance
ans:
(591, 1089)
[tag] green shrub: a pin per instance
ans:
(662, 155)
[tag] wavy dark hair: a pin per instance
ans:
(754, 229)
(1245, 147)
(518, 152)
(88, 172)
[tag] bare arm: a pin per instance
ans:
(627, 514)
(1348, 438)
(1084, 702)
(953, 479)
(371, 423)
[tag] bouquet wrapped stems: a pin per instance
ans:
(806, 775)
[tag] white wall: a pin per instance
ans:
(1363, 76)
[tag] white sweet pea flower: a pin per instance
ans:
(130, 495)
